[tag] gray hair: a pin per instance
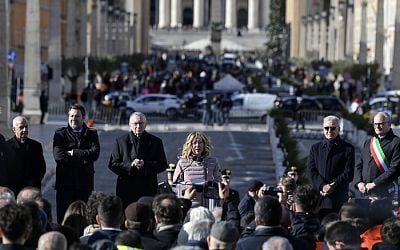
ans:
(52, 241)
(277, 243)
(333, 118)
(199, 230)
(140, 114)
(19, 118)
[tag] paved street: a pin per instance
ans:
(244, 148)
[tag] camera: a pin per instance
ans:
(270, 190)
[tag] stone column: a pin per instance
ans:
(253, 15)
(309, 45)
(230, 14)
(331, 34)
(94, 34)
(216, 11)
(350, 29)
(396, 50)
(103, 28)
(340, 38)
(164, 18)
(315, 37)
(4, 83)
(82, 27)
(303, 37)
(380, 37)
(110, 30)
(363, 37)
(71, 48)
(198, 13)
(32, 81)
(265, 7)
(55, 52)
(322, 36)
(117, 33)
(176, 13)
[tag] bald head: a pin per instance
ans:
(52, 241)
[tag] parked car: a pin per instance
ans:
(388, 104)
(330, 103)
(161, 104)
(252, 105)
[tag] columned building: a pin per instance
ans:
(252, 15)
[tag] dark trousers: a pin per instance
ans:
(65, 197)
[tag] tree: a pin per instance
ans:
(276, 29)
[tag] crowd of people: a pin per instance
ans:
(342, 205)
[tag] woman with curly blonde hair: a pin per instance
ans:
(195, 165)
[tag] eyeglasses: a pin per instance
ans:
(379, 124)
(330, 128)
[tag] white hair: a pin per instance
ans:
(277, 243)
(17, 119)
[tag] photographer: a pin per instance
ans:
(196, 166)
(253, 193)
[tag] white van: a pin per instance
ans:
(252, 105)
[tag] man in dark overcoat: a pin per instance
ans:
(137, 158)
(380, 163)
(75, 149)
(330, 167)
(29, 167)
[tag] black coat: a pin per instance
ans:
(75, 172)
(30, 166)
(332, 162)
(7, 159)
(367, 170)
(246, 204)
(261, 235)
(133, 183)
(306, 226)
(149, 242)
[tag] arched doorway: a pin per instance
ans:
(187, 18)
(241, 18)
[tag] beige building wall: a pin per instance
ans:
(295, 9)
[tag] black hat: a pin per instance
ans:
(255, 185)
(226, 173)
(138, 212)
(171, 167)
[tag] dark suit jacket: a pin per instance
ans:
(13, 247)
(75, 172)
(367, 170)
(261, 235)
(102, 235)
(332, 162)
(30, 165)
(132, 183)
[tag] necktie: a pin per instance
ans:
(78, 135)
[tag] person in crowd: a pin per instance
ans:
(356, 107)
(75, 149)
(30, 166)
(198, 232)
(129, 239)
(6, 196)
(194, 215)
(195, 165)
(390, 233)
(228, 200)
(110, 218)
(253, 193)
(305, 221)
(95, 199)
(52, 241)
(268, 214)
(298, 115)
(342, 235)
(139, 219)
(137, 157)
(69, 234)
(29, 194)
(223, 235)
(38, 224)
(226, 106)
(168, 213)
(277, 243)
(379, 210)
(45, 205)
(44, 103)
(15, 226)
(233, 194)
(75, 217)
(380, 160)
(330, 167)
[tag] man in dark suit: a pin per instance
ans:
(75, 149)
(380, 160)
(30, 166)
(137, 158)
(330, 167)
(7, 158)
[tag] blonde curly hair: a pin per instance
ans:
(187, 152)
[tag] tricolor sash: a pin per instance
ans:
(378, 155)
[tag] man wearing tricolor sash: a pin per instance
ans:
(379, 167)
